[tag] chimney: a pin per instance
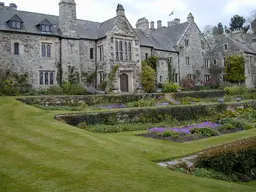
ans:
(238, 34)
(177, 21)
(159, 24)
(120, 11)
(152, 25)
(143, 25)
(1, 4)
(190, 18)
(13, 6)
(170, 23)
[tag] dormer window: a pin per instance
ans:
(44, 26)
(15, 22)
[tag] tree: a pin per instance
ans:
(235, 68)
(252, 20)
(238, 22)
(215, 72)
(148, 77)
(218, 30)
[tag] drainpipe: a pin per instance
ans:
(96, 66)
(60, 65)
(179, 66)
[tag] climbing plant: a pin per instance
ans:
(111, 79)
(171, 71)
(73, 76)
(152, 62)
(59, 73)
(88, 78)
(234, 68)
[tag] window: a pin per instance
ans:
(101, 77)
(191, 76)
(91, 53)
(215, 61)
(187, 61)
(46, 49)
(202, 45)
(45, 28)
(253, 78)
(146, 56)
(186, 42)
(101, 53)
(123, 50)
(16, 48)
(206, 63)
(175, 78)
(15, 24)
(226, 46)
(206, 78)
(46, 77)
(161, 78)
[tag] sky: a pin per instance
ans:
(206, 12)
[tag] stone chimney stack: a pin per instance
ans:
(1, 4)
(67, 18)
(152, 25)
(159, 24)
(177, 21)
(238, 34)
(13, 6)
(120, 11)
(143, 25)
(190, 18)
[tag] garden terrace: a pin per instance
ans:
(88, 99)
(150, 115)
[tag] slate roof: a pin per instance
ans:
(165, 38)
(86, 29)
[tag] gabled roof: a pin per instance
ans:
(15, 18)
(165, 38)
(45, 22)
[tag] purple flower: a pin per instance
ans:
(185, 129)
(114, 106)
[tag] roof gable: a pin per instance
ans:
(45, 22)
(16, 18)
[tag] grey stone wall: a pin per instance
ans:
(144, 51)
(30, 59)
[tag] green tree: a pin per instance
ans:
(148, 77)
(238, 22)
(235, 68)
(218, 30)
(152, 62)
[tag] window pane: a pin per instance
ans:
(43, 50)
(51, 78)
(48, 50)
(46, 78)
(47, 28)
(18, 25)
(13, 24)
(91, 53)
(41, 76)
(16, 48)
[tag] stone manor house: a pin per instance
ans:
(41, 44)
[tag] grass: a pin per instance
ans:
(41, 154)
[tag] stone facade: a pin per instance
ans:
(91, 47)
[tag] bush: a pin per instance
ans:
(170, 87)
(74, 89)
(211, 174)
(83, 125)
(169, 133)
(187, 83)
(236, 90)
(204, 132)
(188, 100)
(237, 157)
(226, 127)
(142, 103)
(148, 78)
(200, 94)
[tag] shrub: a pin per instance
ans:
(148, 78)
(200, 94)
(74, 89)
(188, 100)
(237, 157)
(169, 133)
(226, 127)
(170, 87)
(237, 123)
(211, 174)
(204, 132)
(142, 103)
(236, 90)
(83, 125)
(187, 83)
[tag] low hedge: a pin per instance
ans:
(148, 115)
(200, 94)
(237, 157)
(88, 99)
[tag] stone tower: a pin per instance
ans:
(143, 25)
(190, 18)
(67, 18)
(120, 11)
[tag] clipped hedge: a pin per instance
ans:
(88, 99)
(237, 157)
(147, 115)
(200, 94)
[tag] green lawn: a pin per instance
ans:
(41, 154)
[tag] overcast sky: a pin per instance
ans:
(206, 12)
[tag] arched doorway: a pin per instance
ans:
(124, 83)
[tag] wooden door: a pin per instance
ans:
(124, 83)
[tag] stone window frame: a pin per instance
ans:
(45, 28)
(47, 77)
(206, 63)
(46, 49)
(160, 79)
(225, 46)
(207, 78)
(191, 77)
(215, 61)
(123, 49)
(16, 48)
(175, 77)
(146, 56)
(15, 24)
(203, 45)
(91, 53)
(101, 52)
(187, 61)
(186, 42)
